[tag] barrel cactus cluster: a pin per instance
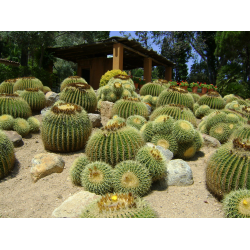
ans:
(152, 88)
(213, 100)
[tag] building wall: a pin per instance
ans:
(97, 66)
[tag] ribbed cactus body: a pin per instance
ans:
(6, 122)
(46, 89)
(183, 131)
(176, 111)
(147, 131)
(186, 150)
(175, 95)
(81, 94)
(7, 86)
(7, 156)
(213, 100)
(202, 111)
(114, 143)
(153, 89)
(130, 106)
(71, 79)
(131, 176)
(97, 178)
(14, 105)
(118, 206)
(77, 168)
(116, 119)
(236, 204)
(34, 97)
(228, 168)
(136, 121)
(166, 141)
(21, 126)
(163, 124)
(220, 131)
(153, 160)
(34, 124)
(242, 132)
(26, 83)
(195, 96)
(66, 128)
(234, 105)
(215, 118)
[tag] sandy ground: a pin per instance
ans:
(21, 198)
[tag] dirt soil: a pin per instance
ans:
(20, 197)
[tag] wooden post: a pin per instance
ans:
(168, 73)
(118, 56)
(79, 69)
(147, 69)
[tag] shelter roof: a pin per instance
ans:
(8, 62)
(133, 52)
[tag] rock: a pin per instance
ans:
(45, 164)
(43, 111)
(51, 98)
(95, 119)
(179, 173)
(149, 109)
(106, 111)
(210, 141)
(166, 152)
(73, 206)
(14, 137)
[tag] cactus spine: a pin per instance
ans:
(7, 156)
(21, 126)
(7, 86)
(153, 89)
(26, 83)
(6, 122)
(34, 124)
(65, 128)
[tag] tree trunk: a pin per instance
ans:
(24, 57)
(41, 58)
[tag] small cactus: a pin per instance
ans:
(21, 126)
(7, 156)
(153, 160)
(136, 121)
(77, 168)
(183, 131)
(6, 122)
(71, 79)
(131, 176)
(7, 86)
(236, 204)
(34, 124)
(147, 131)
(96, 177)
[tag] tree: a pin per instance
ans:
(198, 72)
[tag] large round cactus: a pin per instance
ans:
(153, 89)
(34, 97)
(175, 95)
(71, 79)
(176, 111)
(14, 105)
(109, 75)
(130, 106)
(213, 100)
(114, 143)
(66, 127)
(26, 83)
(7, 86)
(7, 156)
(228, 168)
(6, 122)
(81, 94)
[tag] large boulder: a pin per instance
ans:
(179, 173)
(51, 98)
(14, 137)
(95, 119)
(73, 206)
(45, 164)
(210, 141)
(106, 111)
(166, 152)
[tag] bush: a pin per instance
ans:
(11, 72)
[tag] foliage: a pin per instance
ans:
(184, 83)
(230, 79)
(194, 84)
(109, 74)
(138, 80)
(198, 72)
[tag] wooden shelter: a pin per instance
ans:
(8, 62)
(95, 59)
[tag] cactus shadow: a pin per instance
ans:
(14, 171)
(159, 185)
(199, 154)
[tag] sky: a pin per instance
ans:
(155, 47)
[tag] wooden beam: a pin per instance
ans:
(118, 56)
(147, 69)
